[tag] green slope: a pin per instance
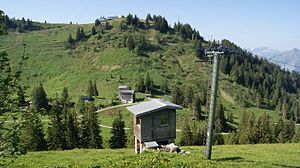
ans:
(110, 64)
(271, 155)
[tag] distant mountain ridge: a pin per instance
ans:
(288, 59)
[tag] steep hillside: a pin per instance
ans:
(104, 56)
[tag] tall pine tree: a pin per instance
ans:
(90, 129)
(56, 129)
(118, 138)
(32, 135)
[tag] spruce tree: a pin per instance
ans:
(199, 134)
(90, 129)
(65, 97)
(71, 128)
(246, 132)
(39, 98)
(296, 138)
(188, 96)
(95, 90)
(196, 107)
(130, 43)
(140, 84)
(290, 130)
(78, 34)
(221, 125)
(147, 81)
(32, 135)
(82, 34)
(56, 129)
(177, 95)
(97, 22)
(279, 127)
(90, 89)
(118, 138)
(263, 130)
(93, 31)
(186, 135)
(21, 96)
(70, 39)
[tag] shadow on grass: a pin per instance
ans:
(229, 159)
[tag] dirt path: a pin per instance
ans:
(227, 97)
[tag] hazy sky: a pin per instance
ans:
(251, 23)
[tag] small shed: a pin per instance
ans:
(154, 123)
(125, 95)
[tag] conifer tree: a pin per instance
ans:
(56, 129)
(186, 135)
(188, 96)
(70, 39)
(129, 19)
(65, 97)
(39, 98)
(140, 84)
(199, 134)
(32, 135)
(279, 127)
(263, 130)
(220, 125)
(130, 43)
(82, 34)
(78, 34)
(21, 96)
(147, 81)
(177, 95)
(246, 132)
(95, 90)
(296, 138)
(199, 51)
(118, 138)
(90, 89)
(290, 130)
(97, 22)
(71, 128)
(93, 31)
(2, 23)
(90, 129)
(196, 106)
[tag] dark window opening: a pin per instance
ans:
(164, 119)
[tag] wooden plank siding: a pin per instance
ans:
(150, 128)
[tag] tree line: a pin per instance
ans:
(278, 88)
(67, 129)
(251, 130)
(185, 31)
(20, 25)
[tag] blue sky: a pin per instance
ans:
(252, 23)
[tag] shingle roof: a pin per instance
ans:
(127, 91)
(152, 106)
(123, 87)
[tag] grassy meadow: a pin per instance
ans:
(261, 155)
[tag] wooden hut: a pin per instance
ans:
(154, 123)
(125, 95)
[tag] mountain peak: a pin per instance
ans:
(286, 59)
